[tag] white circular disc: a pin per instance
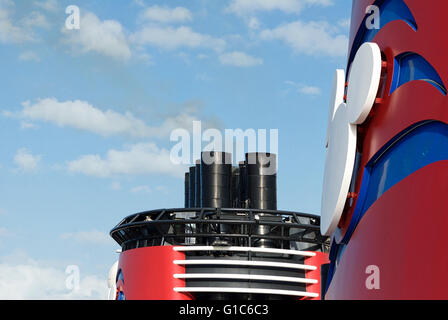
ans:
(339, 163)
(336, 98)
(363, 82)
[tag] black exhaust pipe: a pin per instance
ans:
(262, 180)
(216, 174)
(187, 189)
(192, 187)
(262, 194)
(197, 181)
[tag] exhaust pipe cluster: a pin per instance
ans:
(215, 183)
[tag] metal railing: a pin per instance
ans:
(212, 226)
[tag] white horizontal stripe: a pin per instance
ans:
(247, 263)
(246, 249)
(242, 276)
(248, 290)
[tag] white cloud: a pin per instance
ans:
(166, 15)
(170, 38)
(8, 114)
(141, 189)
(88, 237)
(115, 186)
(310, 90)
(254, 23)
(309, 38)
(29, 56)
(29, 279)
(244, 7)
(83, 116)
(145, 58)
(141, 158)
(304, 89)
(11, 32)
(139, 3)
(48, 5)
(104, 37)
(25, 161)
(27, 125)
(202, 56)
(35, 19)
(345, 23)
(239, 59)
(320, 2)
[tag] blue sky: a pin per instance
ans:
(86, 116)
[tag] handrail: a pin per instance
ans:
(201, 226)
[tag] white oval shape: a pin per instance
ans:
(363, 82)
(339, 163)
(111, 284)
(336, 98)
(112, 275)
